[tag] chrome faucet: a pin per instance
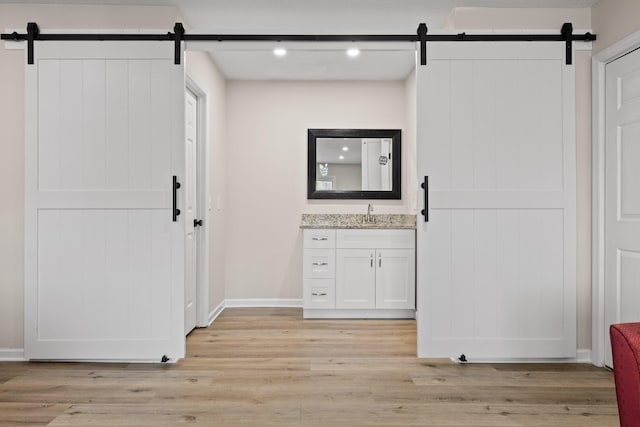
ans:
(369, 218)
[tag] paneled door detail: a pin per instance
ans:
(104, 266)
(622, 194)
(496, 259)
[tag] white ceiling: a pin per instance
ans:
(329, 150)
(305, 62)
(313, 62)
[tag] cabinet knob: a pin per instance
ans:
(320, 263)
(316, 294)
(319, 238)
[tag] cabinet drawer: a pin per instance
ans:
(320, 239)
(319, 293)
(379, 239)
(319, 264)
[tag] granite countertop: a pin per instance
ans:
(383, 221)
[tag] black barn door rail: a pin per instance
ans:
(178, 35)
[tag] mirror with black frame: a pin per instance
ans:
(354, 164)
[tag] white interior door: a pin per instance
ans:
(386, 168)
(191, 258)
(371, 173)
(496, 260)
(622, 194)
(104, 264)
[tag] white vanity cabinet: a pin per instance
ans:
(367, 273)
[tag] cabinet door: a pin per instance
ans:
(355, 278)
(395, 278)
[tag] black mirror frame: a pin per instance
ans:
(394, 134)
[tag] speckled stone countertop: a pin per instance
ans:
(358, 221)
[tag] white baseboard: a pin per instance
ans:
(264, 302)
(11, 354)
(583, 355)
(216, 312)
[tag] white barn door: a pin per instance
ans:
(496, 260)
(104, 267)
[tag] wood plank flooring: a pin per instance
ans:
(268, 367)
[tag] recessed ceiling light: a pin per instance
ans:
(279, 51)
(341, 157)
(353, 52)
(345, 148)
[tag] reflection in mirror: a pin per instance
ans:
(354, 163)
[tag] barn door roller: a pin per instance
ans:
(567, 33)
(32, 32)
(422, 37)
(178, 35)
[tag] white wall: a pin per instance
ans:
(518, 18)
(317, 17)
(14, 16)
(267, 172)
(409, 145)
(583, 197)
(204, 72)
(552, 19)
(613, 20)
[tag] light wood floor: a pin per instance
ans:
(268, 367)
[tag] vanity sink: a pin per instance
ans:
(383, 221)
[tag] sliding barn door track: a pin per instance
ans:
(179, 34)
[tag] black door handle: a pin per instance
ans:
(197, 223)
(176, 211)
(425, 211)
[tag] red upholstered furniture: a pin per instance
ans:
(625, 344)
